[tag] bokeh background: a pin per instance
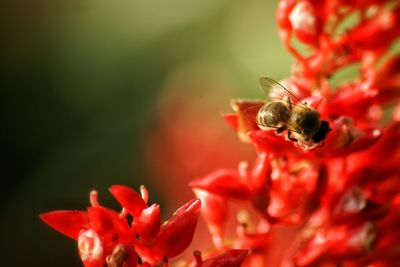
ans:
(96, 93)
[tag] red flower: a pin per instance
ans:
(345, 192)
(104, 235)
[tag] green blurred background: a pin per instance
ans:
(81, 89)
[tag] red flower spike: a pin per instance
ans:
(225, 183)
(230, 258)
(147, 225)
(129, 199)
(67, 222)
(90, 249)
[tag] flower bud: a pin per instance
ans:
(148, 223)
(282, 14)
(304, 22)
(90, 248)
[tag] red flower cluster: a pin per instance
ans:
(345, 195)
(342, 198)
(105, 236)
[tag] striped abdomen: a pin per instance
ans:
(273, 114)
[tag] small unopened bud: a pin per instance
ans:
(304, 22)
(90, 248)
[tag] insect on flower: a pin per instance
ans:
(290, 114)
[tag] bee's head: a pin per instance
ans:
(322, 132)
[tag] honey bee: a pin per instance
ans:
(291, 114)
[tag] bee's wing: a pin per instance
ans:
(277, 91)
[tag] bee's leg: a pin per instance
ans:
(288, 137)
(280, 130)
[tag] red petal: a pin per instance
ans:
(260, 182)
(345, 138)
(109, 225)
(224, 183)
(100, 220)
(67, 222)
(128, 199)
(351, 100)
(230, 258)
(247, 111)
(175, 234)
(148, 223)
(214, 210)
(232, 120)
(270, 142)
(261, 172)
